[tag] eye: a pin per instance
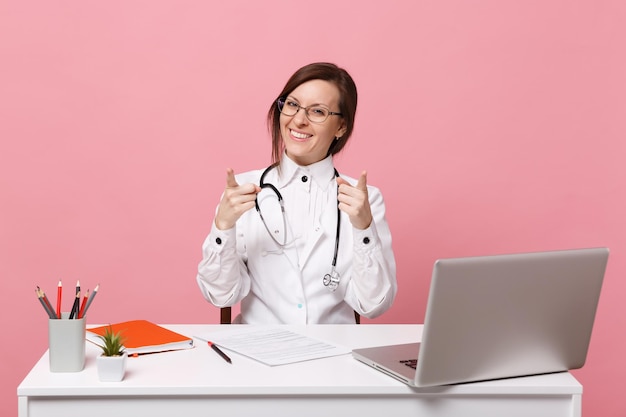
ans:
(318, 111)
(291, 103)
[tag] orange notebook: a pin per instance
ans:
(142, 336)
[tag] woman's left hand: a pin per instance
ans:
(354, 201)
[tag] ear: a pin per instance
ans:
(341, 130)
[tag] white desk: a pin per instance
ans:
(199, 382)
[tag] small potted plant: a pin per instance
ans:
(112, 363)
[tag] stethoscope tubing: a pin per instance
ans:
(330, 280)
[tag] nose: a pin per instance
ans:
(300, 117)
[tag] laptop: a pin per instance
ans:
(500, 316)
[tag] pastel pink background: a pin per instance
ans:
(491, 127)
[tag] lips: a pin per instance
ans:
(299, 135)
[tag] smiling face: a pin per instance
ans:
(307, 142)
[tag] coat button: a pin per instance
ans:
(218, 241)
(304, 178)
(366, 240)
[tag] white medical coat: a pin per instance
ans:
(284, 284)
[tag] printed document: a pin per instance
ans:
(272, 345)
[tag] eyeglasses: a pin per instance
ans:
(316, 114)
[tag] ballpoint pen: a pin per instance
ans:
(219, 351)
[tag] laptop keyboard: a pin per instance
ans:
(411, 363)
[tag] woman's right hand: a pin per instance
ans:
(237, 199)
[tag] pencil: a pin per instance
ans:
(45, 300)
(76, 305)
(91, 297)
(74, 311)
(82, 306)
(50, 313)
(59, 296)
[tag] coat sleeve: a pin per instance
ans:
(222, 274)
(373, 286)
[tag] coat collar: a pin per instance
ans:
(322, 172)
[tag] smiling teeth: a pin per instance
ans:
(300, 135)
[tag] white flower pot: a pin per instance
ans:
(111, 368)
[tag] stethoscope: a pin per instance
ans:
(330, 280)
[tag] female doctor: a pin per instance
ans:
(297, 242)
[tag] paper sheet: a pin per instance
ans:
(272, 345)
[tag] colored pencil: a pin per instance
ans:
(91, 297)
(45, 300)
(48, 309)
(74, 311)
(82, 306)
(59, 296)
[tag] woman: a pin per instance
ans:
(328, 254)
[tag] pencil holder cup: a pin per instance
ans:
(66, 341)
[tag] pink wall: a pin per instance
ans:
(491, 127)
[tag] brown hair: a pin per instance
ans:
(347, 103)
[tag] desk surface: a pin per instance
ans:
(201, 373)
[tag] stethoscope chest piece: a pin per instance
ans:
(331, 281)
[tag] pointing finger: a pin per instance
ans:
(230, 178)
(362, 184)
